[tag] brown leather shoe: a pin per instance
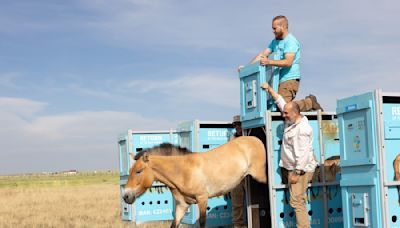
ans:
(315, 104)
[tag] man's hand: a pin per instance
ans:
(239, 68)
(265, 86)
(293, 178)
(264, 60)
(270, 90)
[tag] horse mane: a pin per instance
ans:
(164, 149)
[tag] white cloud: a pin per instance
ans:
(87, 91)
(206, 88)
(20, 107)
(90, 125)
(62, 141)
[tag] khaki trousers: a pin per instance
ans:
(238, 194)
(288, 90)
(298, 199)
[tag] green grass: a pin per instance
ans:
(58, 180)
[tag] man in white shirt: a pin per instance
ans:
(297, 155)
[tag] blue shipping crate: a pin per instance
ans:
(156, 204)
(136, 141)
(253, 100)
(335, 209)
(369, 138)
(133, 142)
(331, 149)
(202, 136)
(391, 125)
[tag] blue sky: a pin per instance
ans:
(75, 74)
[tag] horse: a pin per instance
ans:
(331, 168)
(396, 167)
(193, 177)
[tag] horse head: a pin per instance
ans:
(140, 178)
(141, 175)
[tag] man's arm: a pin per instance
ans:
(287, 62)
(279, 101)
(262, 55)
(269, 89)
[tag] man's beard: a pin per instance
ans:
(290, 122)
(279, 36)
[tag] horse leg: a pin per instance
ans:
(180, 208)
(202, 203)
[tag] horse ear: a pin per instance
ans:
(145, 157)
(132, 156)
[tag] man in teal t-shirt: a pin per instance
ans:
(287, 51)
(284, 49)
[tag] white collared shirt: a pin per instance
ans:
(296, 150)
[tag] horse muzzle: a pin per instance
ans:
(129, 197)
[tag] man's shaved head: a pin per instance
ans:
(291, 112)
(282, 20)
(280, 27)
(294, 107)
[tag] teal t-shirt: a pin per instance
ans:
(279, 49)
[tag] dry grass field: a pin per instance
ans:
(81, 200)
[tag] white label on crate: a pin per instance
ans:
(224, 215)
(161, 211)
(154, 212)
(315, 222)
(141, 213)
(396, 113)
(357, 143)
(150, 139)
(221, 215)
(335, 220)
(292, 223)
(217, 135)
(212, 215)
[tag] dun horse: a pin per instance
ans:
(195, 177)
(396, 167)
(331, 168)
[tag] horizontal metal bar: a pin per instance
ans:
(315, 113)
(153, 132)
(391, 183)
(390, 94)
(282, 186)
